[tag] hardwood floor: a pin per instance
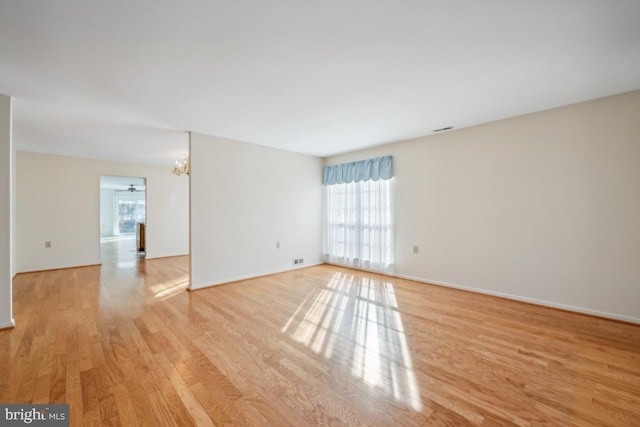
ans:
(125, 344)
(120, 249)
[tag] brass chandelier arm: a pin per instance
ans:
(181, 168)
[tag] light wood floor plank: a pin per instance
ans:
(126, 344)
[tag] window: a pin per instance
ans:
(130, 208)
(130, 212)
(358, 226)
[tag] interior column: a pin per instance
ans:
(6, 204)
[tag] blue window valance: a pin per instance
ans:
(364, 170)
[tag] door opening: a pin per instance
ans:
(122, 219)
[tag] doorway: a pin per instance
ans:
(123, 216)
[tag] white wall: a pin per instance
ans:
(543, 207)
(58, 199)
(106, 212)
(6, 185)
(244, 199)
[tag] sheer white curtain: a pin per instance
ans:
(358, 225)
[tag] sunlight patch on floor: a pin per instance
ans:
(170, 288)
(357, 320)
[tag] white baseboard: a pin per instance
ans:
(545, 303)
(164, 256)
(196, 287)
(57, 268)
(6, 325)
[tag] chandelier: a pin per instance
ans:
(181, 168)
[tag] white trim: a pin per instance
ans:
(251, 276)
(543, 303)
(165, 256)
(592, 312)
(11, 324)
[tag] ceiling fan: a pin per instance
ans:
(131, 189)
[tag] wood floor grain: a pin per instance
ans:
(126, 344)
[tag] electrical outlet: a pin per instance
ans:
(295, 261)
(416, 249)
(47, 244)
(300, 260)
(277, 245)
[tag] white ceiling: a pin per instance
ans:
(125, 80)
